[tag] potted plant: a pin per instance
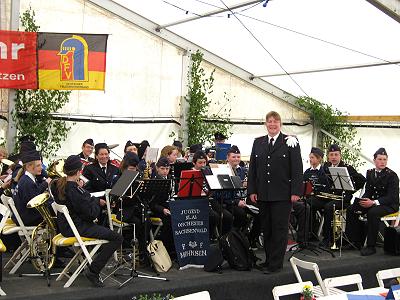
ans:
(307, 293)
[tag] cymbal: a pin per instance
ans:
(112, 146)
(7, 161)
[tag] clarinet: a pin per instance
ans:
(172, 173)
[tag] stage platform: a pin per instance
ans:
(228, 285)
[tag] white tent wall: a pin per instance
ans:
(374, 138)
(146, 80)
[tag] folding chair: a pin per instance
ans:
(387, 274)
(24, 233)
(319, 290)
(289, 289)
(343, 281)
(158, 224)
(80, 246)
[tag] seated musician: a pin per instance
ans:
(199, 162)
(131, 207)
(316, 177)
(83, 210)
(160, 208)
(100, 173)
(381, 197)
(130, 147)
(87, 150)
(29, 185)
(179, 146)
(170, 152)
(334, 160)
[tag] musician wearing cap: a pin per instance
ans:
(315, 178)
(101, 172)
(381, 197)
(335, 160)
(274, 182)
(29, 185)
(130, 147)
(83, 210)
(87, 150)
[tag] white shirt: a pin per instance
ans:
(317, 168)
(30, 175)
(273, 137)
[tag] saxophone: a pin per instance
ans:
(42, 249)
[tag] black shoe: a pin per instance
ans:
(368, 251)
(94, 278)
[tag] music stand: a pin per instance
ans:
(146, 193)
(342, 181)
(306, 245)
(190, 184)
(125, 187)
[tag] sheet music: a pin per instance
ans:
(213, 182)
(98, 194)
(221, 169)
(341, 178)
(151, 154)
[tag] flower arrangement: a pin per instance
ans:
(307, 293)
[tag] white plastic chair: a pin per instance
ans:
(319, 290)
(387, 274)
(80, 245)
(343, 281)
(21, 254)
(289, 289)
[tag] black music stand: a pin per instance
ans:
(147, 191)
(342, 181)
(306, 245)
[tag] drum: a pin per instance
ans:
(308, 188)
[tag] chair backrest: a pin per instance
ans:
(289, 289)
(64, 210)
(397, 221)
(4, 200)
(342, 281)
(21, 224)
(5, 212)
(295, 263)
(387, 274)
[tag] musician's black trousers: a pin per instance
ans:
(106, 250)
(302, 217)
(274, 216)
(327, 206)
(354, 227)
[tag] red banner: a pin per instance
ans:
(18, 66)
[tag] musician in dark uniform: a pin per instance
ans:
(315, 178)
(29, 185)
(381, 197)
(130, 147)
(275, 181)
(87, 150)
(83, 210)
(334, 160)
(101, 173)
(160, 207)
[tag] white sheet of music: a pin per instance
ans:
(213, 182)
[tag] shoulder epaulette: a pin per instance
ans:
(81, 190)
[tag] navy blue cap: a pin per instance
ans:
(162, 162)
(31, 155)
(219, 136)
(317, 151)
(131, 159)
(234, 149)
(199, 155)
(89, 142)
(380, 151)
(334, 148)
(196, 147)
(73, 162)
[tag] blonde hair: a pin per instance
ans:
(167, 150)
(273, 114)
(3, 151)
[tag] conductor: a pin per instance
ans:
(274, 182)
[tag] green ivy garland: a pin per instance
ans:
(332, 120)
(200, 125)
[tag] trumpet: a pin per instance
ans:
(328, 196)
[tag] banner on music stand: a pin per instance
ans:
(190, 230)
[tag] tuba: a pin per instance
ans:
(56, 170)
(42, 249)
(337, 227)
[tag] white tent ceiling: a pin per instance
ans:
(353, 24)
